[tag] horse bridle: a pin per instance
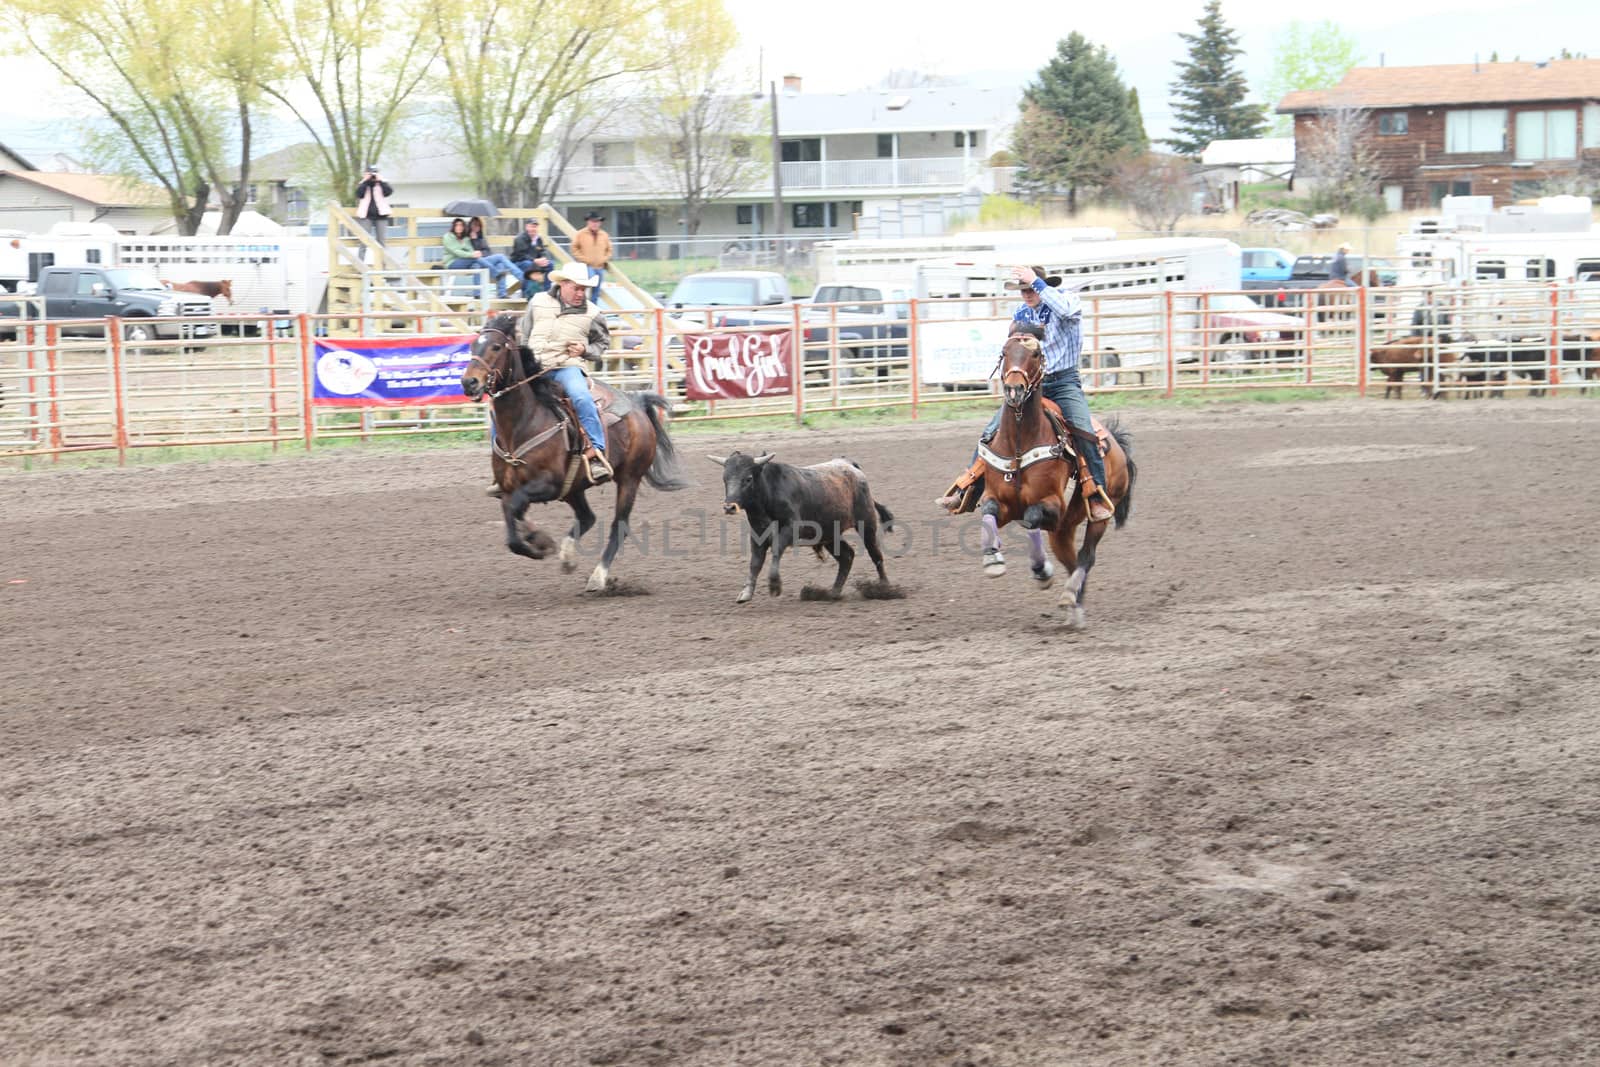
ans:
(1029, 383)
(490, 375)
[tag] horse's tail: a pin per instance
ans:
(663, 473)
(1124, 506)
(885, 519)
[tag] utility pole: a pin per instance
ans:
(777, 180)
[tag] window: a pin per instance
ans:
(613, 154)
(1540, 269)
(808, 216)
(1591, 125)
(1547, 134)
(1587, 270)
(1478, 130)
(295, 205)
(1437, 191)
(250, 196)
(1489, 268)
(1391, 123)
(885, 145)
(966, 138)
(803, 150)
(744, 214)
(92, 255)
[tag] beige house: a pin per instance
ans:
(33, 200)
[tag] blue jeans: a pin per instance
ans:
(499, 267)
(600, 276)
(1066, 389)
(576, 385)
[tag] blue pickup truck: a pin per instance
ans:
(1265, 264)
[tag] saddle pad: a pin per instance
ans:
(1102, 436)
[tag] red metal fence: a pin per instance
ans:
(250, 382)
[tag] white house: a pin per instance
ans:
(1258, 159)
(10, 160)
(866, 161)
(32, 200)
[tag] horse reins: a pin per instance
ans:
(514, 458)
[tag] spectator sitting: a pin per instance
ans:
(531, 256)
(500, 268)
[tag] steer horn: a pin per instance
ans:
(718, 460)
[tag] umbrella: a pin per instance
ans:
(471, 206)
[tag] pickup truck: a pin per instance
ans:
(729, 288)
(869, 322)
(131, 294)
(1308, 272)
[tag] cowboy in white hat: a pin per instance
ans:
(564, 328)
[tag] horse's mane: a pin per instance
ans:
(543, 386)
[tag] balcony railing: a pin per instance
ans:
(841, 174)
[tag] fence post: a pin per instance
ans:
(1167, 341)
(1555, 337)
(114, 335)
(661, 351)
(1362, 347)
(911, 354)
(799, 335)
(270, 326)
(308, 418)
(52, 338)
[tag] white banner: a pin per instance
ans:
(959, 351)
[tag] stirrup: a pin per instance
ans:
(1099, 499)
(965, 492)
(599, 469)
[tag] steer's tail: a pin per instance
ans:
(885, 519)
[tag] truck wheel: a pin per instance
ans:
(138, 332)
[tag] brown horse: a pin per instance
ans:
(223, 288)
(1028, 478)
(537, 455)
(1336, 300)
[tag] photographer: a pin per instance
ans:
(372, 203)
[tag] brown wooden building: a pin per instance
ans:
(1473, 129)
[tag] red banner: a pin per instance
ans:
(729, 366)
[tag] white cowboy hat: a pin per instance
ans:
(575, 272)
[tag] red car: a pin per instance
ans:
(1232, 318)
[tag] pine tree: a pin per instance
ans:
(1209, 95)
(1076, 117)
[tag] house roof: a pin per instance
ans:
(1244, 151)
(102, 190)
(11, 153)
(1460, 83)
(409, 160)
(931, 108)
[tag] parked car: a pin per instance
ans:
(1234, 319)
(861, 320)
(136, 296)
(1308, 272)
(1265, 264)
(729, 288)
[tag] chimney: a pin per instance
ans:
(791, 83)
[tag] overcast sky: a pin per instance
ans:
(836, 45)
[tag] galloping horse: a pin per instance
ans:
(223, 288)
(1029, 478)
(536, 453)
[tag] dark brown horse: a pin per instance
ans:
(536, 451)
(223, 288)
(1403, 356)
(1028, 479)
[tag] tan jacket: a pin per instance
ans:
(550, 326)
(592, 248)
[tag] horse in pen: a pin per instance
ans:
(223, 288)
(1031, 470)
(538, 452)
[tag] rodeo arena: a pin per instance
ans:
(303, 766)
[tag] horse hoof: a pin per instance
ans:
(775, 588)
(1076, 619)
(1045, 577)
(744, 595)
(597, 581)
(569, 555)
(994, 570)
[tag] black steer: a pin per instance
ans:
(813, 506)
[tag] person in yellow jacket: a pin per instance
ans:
(564, 328)
(592, 245)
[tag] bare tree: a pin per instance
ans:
(1336, 157)
(1157, 188)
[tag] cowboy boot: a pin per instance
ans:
(963, 494)
(600, 470)
(494, 490)
(1096, 501)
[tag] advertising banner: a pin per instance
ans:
(956, 351)
(366, 371)
(729, 366)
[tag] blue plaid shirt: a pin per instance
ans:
(1061, 315)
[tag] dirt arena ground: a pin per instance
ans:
(299, 766)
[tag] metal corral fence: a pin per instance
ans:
(83, 386)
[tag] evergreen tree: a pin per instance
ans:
(1209, 95)
(1076, 117)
